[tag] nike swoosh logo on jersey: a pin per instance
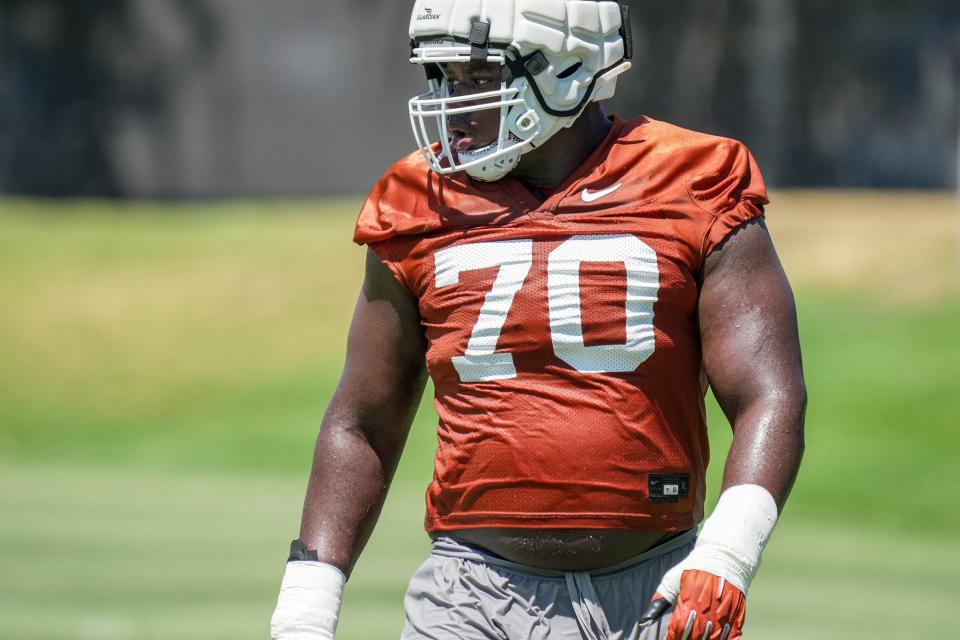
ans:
(590, 196)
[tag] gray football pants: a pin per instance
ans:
(461, 592)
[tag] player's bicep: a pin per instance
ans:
(748, 323)
(384, 373)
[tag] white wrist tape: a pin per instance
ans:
(309, 602)
(731, 541)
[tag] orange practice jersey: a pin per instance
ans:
(561, 336)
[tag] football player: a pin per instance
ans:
(571, 282)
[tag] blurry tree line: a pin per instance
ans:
(175, 98)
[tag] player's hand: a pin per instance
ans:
(707, 606)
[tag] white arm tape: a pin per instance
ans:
(309, 603)
(731, 541)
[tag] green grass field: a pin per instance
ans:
(162, 375)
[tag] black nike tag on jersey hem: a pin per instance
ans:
(667, 487)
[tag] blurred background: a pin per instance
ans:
(179, 183)
(213, 98)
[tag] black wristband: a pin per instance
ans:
(300, 553)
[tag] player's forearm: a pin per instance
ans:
(352, 470)
(768, 442)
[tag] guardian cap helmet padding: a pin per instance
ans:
(555, 57)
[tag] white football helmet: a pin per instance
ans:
(555, 57)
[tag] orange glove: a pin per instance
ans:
(708, 608)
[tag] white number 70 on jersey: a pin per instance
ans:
(481, 363)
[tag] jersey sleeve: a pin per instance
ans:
(732, 192)
(397, 204)
(379, 235)
(394, 213)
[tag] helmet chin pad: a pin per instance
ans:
(491, 170)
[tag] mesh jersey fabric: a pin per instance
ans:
(561, 335)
